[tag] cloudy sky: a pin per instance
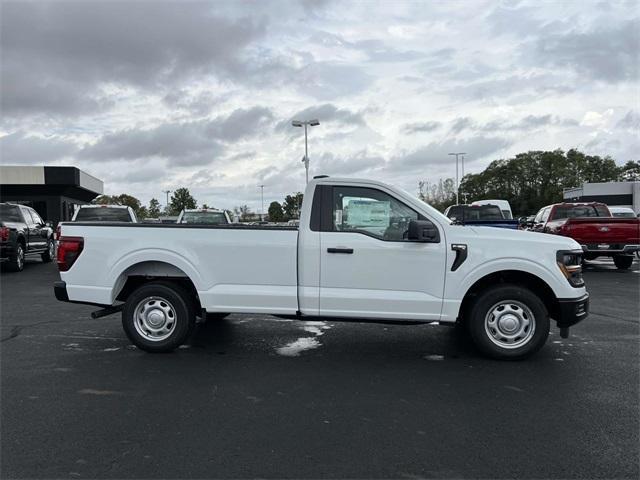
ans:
(149, 96)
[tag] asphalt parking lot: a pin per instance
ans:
(256, 396)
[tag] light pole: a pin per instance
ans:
(457, 184)
(305, 124)
(262, 200)
(167, 192)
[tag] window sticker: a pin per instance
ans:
(368, 213)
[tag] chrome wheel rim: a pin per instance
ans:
(510, 324)
(155, 318)
(20, 257)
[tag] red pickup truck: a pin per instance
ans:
(594, 228)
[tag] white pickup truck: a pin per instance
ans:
(363, 251)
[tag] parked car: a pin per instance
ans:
(624, 212)
(480, 216)
(594, 228)
(384, 256)
(23, 234)
(203, 216)
(104, 213)
(504, 206)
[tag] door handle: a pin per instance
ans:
(340, 250)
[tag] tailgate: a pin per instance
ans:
(605, 230)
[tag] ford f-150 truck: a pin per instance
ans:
(24, 234)
(597, 231)
(363, 251)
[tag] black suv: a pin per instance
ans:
(23, 233)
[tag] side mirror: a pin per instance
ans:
(423, 231)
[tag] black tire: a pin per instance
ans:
(178, 306)
(50, 253)
(525, 308)
(623, 262)
(16, 261)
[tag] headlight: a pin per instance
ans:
(570, 264)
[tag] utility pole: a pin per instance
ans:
(262, 200)
(457, 178)
(305, 124)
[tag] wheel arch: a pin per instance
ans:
(517, 277)
(148, 271)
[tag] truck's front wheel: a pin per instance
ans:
(623, 262)
(158, 317)
(508, 322)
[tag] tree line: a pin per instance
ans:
(530, 180)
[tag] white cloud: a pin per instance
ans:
(150, 96)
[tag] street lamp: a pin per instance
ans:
(305, 124)
(262, 199)
(457, 183)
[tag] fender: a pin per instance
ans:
(153, 255)
(511, 263)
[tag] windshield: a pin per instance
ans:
(580, 211)
(103, 214)
(204, 218)
(10, 213)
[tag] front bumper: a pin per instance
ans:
(572, 310)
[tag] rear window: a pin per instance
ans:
(204, 218)
(465, 213)
(10, 213)
(103, 214)
(580, 211)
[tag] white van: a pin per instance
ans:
(502, 204)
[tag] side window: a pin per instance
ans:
(36, 218)
(545, 214)
(28, 219)
(371, 212)
(538, 218)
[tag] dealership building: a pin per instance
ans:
(618, 194)
(53, 192)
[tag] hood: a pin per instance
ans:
(523, 236)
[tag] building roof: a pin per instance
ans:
(44, 180)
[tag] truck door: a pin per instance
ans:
(35, 241)
(368, 267)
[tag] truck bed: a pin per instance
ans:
(262, 253)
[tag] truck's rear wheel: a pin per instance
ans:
(16, 261)
(623, 262)
(508, 322)
(50, 253)
(158, 317)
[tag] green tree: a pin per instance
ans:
(276, 214)
(534, 179)
(291, 206)
(154, 208)
(180, 200)
(630, 171)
